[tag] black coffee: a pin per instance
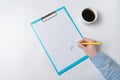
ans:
(88, 15)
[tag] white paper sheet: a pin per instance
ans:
(59, 36)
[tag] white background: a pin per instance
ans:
(21, 56)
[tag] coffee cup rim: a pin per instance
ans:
(94, 11)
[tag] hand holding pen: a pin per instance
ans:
(89, 46)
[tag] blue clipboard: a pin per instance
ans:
(58, 35)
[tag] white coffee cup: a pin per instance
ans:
(88, 15)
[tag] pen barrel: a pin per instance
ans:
(97, 43)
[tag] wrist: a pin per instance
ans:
(92, 54)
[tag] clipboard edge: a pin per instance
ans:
(73, 64)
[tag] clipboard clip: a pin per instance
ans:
(49, 16)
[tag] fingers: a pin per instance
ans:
(80, 45)
(84, 47)
(90, 50)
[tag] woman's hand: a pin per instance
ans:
(90, 49)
